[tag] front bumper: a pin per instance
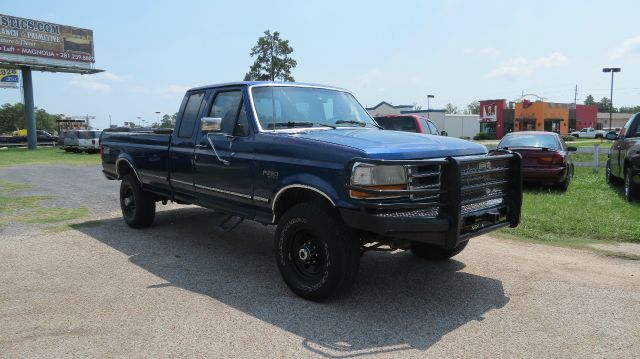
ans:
(475, 195)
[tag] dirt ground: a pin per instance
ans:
(183, 289)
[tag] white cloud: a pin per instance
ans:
(521, 67)
(100, 82)
(485, 51)
(628, 46)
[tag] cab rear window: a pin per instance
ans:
(406, 124)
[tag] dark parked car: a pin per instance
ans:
(624, 158)
(407, 123)
(545, 157)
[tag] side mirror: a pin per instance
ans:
(210, 124)
(572, 149)
(444, 133)
(612, 135)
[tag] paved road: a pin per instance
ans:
(181, 289)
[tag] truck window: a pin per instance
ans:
(190, 115)
(433, 128)
(406, 124)
(226, 106)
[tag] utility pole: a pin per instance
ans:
(575, 97)
(428, 106)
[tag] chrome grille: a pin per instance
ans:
(424, 177)
(484, 183)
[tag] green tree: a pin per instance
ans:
(604, 105)
(629, 109)
(473, 108)
(589, 101)
(11, 117)
(272, 59)
(451, 109)
(166, 122)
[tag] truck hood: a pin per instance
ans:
(383, 144)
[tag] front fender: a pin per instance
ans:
(311, 182)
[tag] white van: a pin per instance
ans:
(89, 141)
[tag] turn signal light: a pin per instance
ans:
(394, 187)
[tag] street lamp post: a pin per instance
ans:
(428, 106)
(158, 117)
(612, 70)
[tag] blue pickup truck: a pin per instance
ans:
(310, 160)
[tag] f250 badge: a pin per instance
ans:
(270, 174)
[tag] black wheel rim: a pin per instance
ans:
(128, 201)
(308, 254)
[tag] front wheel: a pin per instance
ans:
(138, 207)
(630, 188)
(317, 256)
(435, 253)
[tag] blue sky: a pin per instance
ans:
(398, 51)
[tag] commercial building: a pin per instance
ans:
(496, 119)
(617, 119)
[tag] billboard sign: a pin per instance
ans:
(34, 42)
(9, 78)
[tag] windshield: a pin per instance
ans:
(289, 107)
(540, 141)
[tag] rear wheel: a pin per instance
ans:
(564, 185)
(436, 253)
(317, 256)
(138, 207)
(630, 188)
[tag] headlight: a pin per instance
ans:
(379, 178)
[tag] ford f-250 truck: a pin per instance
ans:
(310, 160)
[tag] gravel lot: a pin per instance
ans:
(182, 289)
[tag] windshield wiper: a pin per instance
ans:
(292, 124)
(354, 122)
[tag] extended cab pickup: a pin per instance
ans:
(310, 160)
(624, 158)
(588, 133)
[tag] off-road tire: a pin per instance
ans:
(317, 256)
(630, 188)
(435, 253)
(138, 207)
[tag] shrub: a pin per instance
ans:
(568, 138)
(481, 136)
(465, 138)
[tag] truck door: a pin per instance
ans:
(225, 180)
(182, 146)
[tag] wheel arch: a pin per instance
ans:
(124, 166)
(293, 194)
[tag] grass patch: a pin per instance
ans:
(589, 212)
(588, 157)
(14, 204)
(29, 209)
(23, 156)
(54, 215)
(6, 186)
